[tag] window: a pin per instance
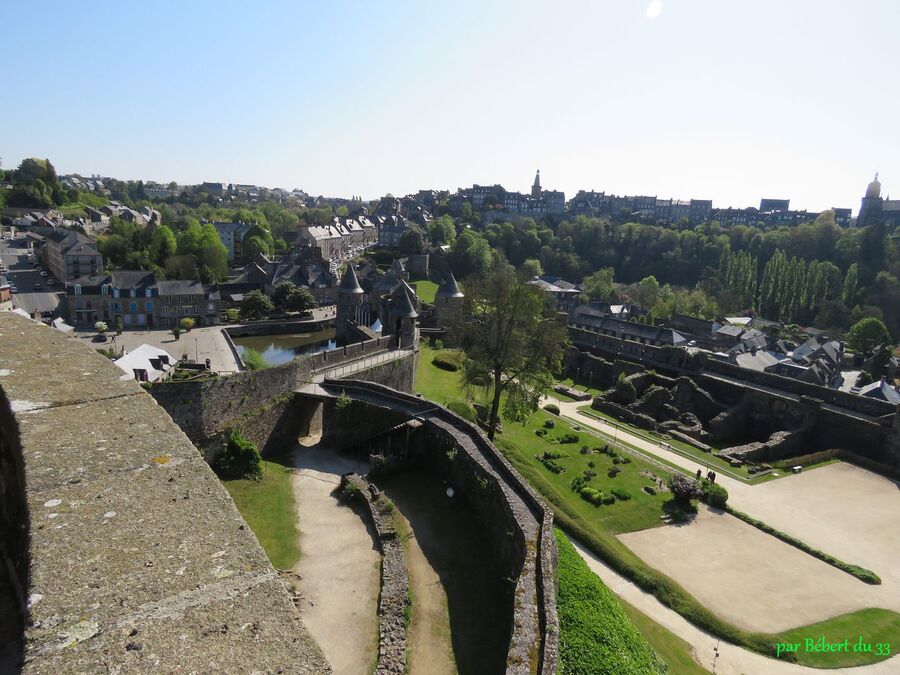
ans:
(164, 311)
(133, 307)
(77, 289)
(148, 306)
(133, 293)
(104, 289)
(115, 292)
(148, 293)
(115, 306)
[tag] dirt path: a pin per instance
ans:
(732, 660)
(461, 604)
(339, 566)
(748, 577)
(430, 649)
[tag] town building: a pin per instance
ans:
(232, 236)
(146, 364)
(68, 254)
(136, 299)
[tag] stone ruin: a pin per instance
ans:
(763, 428)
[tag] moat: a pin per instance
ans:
(279, 349)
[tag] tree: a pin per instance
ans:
(101, 327)
(181, 267)
(162, 244)
(281, 292)
(255, 304)
(442, 231)
(471, 255)
(412, 242)
(647, 291)
(252, 247)
(684, 489)
(599, 285)
(868, 333)
(186, 324)
(300, 300)
(531, 268)
(512, 341)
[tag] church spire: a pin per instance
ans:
(536, 188)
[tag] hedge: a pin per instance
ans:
(552, 408)
(446, 360)
(860, 573)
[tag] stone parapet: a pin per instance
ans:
(139, 559)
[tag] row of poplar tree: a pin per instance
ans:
(791, 289)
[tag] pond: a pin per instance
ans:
(278, 349)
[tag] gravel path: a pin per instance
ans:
(339, 564)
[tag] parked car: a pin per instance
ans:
(50, 282)
(13, 289)
(43, 273)
(100, 337)
(38, 286)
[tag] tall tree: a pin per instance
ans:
(512, 340)
(599, 285)
(867, 333)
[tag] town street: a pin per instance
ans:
(24, 277)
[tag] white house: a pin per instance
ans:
(146, 364)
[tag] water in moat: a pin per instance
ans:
(279, 349)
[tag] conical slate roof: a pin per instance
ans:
(350, 284)
(401, 305)
(397, 267)
(450, 289)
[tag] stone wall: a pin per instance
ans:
(517, 519)
(261, 403)
(14, 541)
(139, 559)
(768, 403)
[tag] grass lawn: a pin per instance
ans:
(872, 626)
(521, 446)
(569, 382)
(441, 386)
(671, 648)
(595, 636)
(685, 449)
(269, 508)
(425, 290)
(596, 526)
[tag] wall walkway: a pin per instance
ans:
(139, 559)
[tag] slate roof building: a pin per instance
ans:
(589, 318)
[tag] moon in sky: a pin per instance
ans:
(653, 9)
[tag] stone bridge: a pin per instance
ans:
(519, 523)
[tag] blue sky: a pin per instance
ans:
(715, 99)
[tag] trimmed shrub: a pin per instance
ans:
(540, 432)
(446, 360)
(684, 489)
(591, 495)
(614, 471)
(549, 424)
(608, 499)
(239, 458)
(623, 495)
(713, 494)
(569, 438)
(552, 408)
(649, 489)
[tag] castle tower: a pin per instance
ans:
(447, 302)
(350, 305)
(871, 206)
(404, 326)
(536, 188)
